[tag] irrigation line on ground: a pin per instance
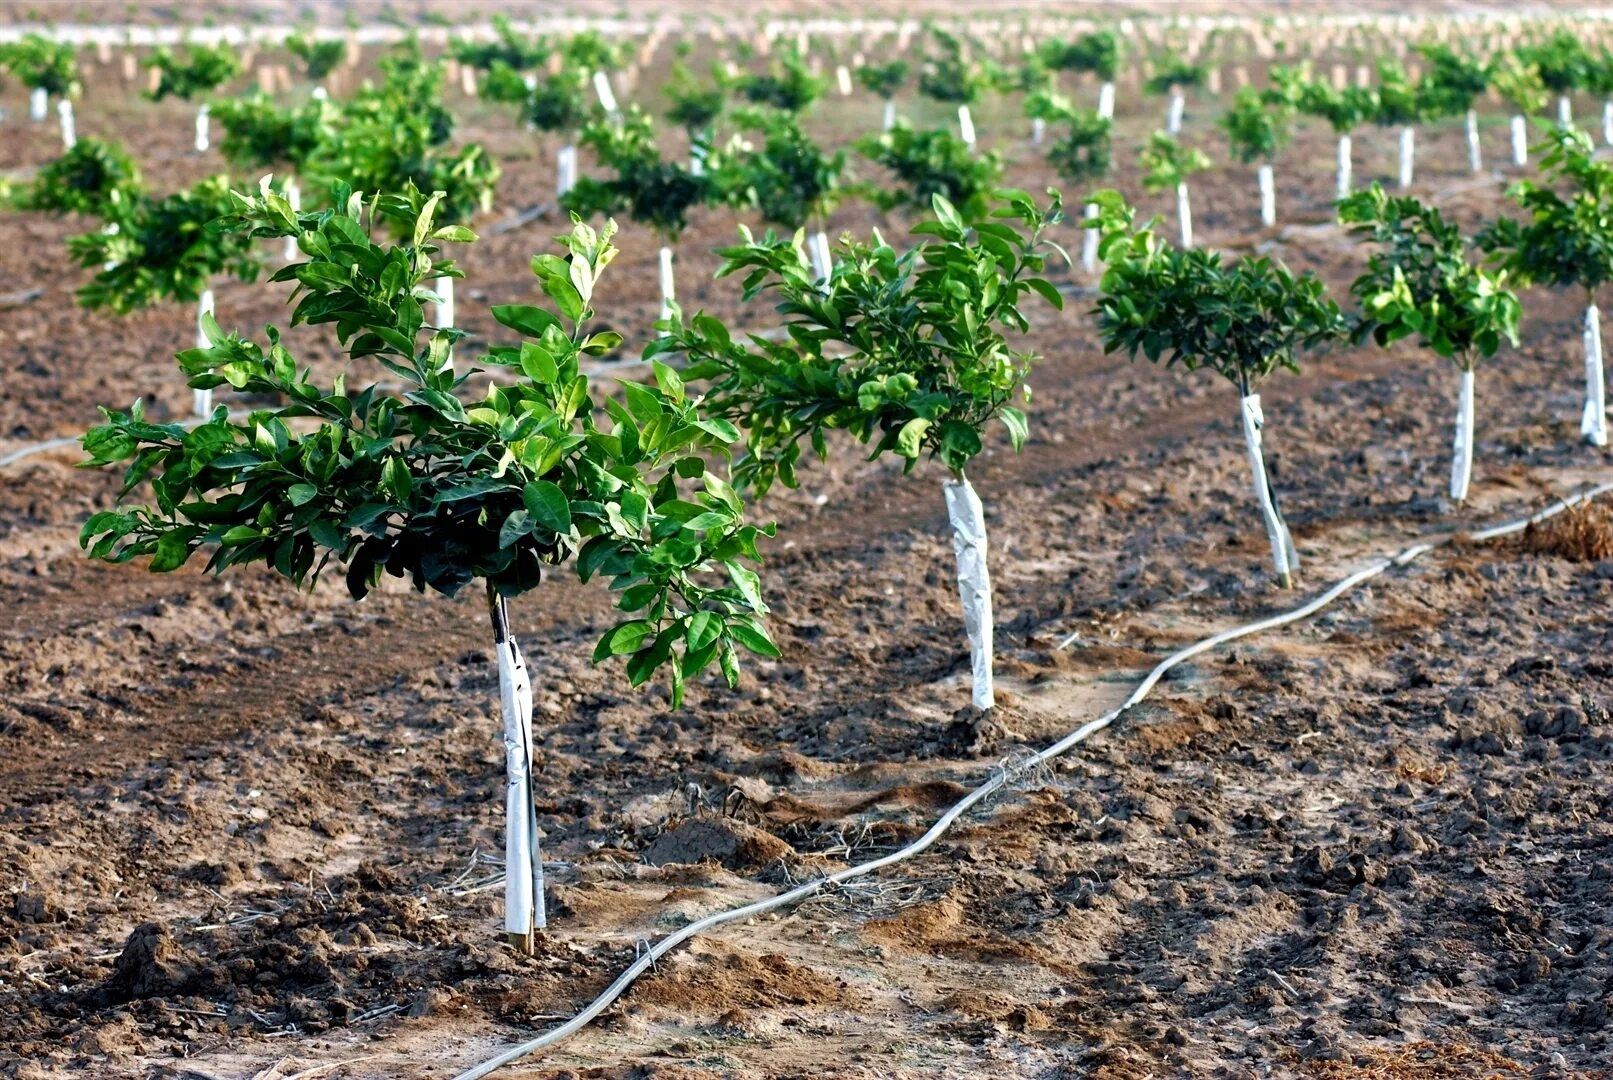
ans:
(1001, 778)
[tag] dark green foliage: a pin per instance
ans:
(883, 80)
(947, 77)
(790, 179)
(931, 162)
(428, 486)
(1256, 129)
(94, 177)
(319, 57)
(513, 50)
(258, 134)
(646, 187)
(1098, 52)
(1567, 239)
(164, 249)
(204, 69)
(1421, 281)
(1176, 74)
(905, 351)
(786, 85)
(1187, 307)
(41, 64)
(1083, 151)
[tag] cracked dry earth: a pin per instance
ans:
(242, 827)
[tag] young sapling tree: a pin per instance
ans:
(445, 492)
(948, 77)
(1344, 110)
(319, 56)
(203, 69)
(787, 85)
(1097, 52)
(1450, 87)
(1187, 307)
(1420, 280)
(906, 352)
(165, 249)
(1567, 240)
(45, 67)
(883, 81)
(93, 178)
(261, 136)
(1166, 165)
(1174, 78)
(1564, 65)
(1256, 128)
(696, 108)
(508, 47)
(1520, 86)
(1399, 104)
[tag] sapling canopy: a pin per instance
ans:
(1175, 77)
(1083, 150)
(1097, 52)
(446, 492)
(94, 177)
(905, 351)
(521, 52)
(1166, 165)
(1564, 65)
(319, 56)
(1520, 86)
(695, 107)
(787, 84)
(259, 134)
(1566, 241)
(883, 81)
(201, 70)
(929, 162)
(1245, 321)
(1421, 280)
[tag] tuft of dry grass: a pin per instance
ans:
(1582, 533)
(1420, 1061)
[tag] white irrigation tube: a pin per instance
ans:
(998, 780)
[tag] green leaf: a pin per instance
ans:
(300, 494)
(910, 440)
(525, 320)
(622, 639)
(172, 551)
(548, 506)
(749, 633)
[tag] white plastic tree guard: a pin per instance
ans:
(1089, 243)
(1173, 115)
(1593, 421)
(38, 104)
(1462, 457)
(1565, 110)
(1408, 153)
(1607, 123)
(525, 912)
(1106, 101)
(667, 291)
(444, 288)
(1345, 179)
(1520, 142)
(607, 97)
(64, 114)
(966, 126)
(1038, 130)
(968, 520)
(818, 249)
(1268, 196)
(890, 116)
(1475, 155)
(204, 123)
(1184, 214)
(202, 400)
(843, 79)
(565, 168)
(294, 200)
(1284, 557)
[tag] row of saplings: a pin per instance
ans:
(907, 351)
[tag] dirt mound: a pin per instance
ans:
(716, 977)
(1582, 534)
(732, 843)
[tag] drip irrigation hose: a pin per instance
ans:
(1004, 775)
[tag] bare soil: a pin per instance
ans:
(243, 828)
